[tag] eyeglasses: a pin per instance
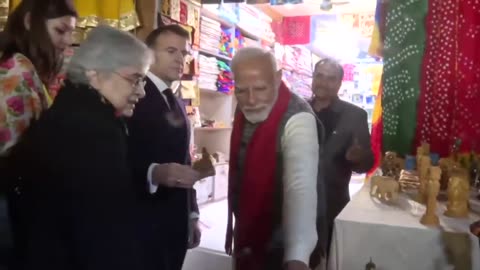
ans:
(136, 83)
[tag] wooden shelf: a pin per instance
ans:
(212, 92)
(216, 55)
(225, 23)
(214, 16)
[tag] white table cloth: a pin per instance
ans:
(393, 236)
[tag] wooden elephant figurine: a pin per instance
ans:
(385, 188)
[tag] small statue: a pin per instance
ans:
(370, 265)
(418, 156)
(425, 148)
(430, 217)
(458, 194)
(204, 165)
(385, 188)
(447, 164)
(392, 165)
(425, 164)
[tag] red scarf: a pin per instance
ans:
(253, 229)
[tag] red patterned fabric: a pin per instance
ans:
(449, 105)
(296, 30)
(349, 72)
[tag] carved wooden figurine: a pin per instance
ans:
(430, 217)
(385, 188)
(204, 165)
(458, 194)
(447, 165)
(392, 165)
(425, 164)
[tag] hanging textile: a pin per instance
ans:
(449, 103)
(4, 6)
(376, 131)
(403, 53)
(120, 14)
(376, 50)
(378, 36)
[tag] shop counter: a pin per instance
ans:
(393, 237)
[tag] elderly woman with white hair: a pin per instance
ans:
(77, 195)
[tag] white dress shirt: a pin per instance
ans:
(300, 157)
(161, 86)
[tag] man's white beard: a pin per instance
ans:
(257, 117)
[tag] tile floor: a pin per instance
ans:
(210, 254)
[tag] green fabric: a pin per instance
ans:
(403, 53)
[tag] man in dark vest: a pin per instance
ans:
(347, 137)
(159, 140)
(273, 169)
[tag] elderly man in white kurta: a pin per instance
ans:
(273, 169)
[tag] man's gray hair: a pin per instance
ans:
(251, 53)
(107, 49)
(331, 62)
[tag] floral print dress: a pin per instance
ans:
(22, 99)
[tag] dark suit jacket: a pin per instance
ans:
(154, 138)
(76, 207)
(350, 122)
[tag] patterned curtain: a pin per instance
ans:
(403, 53)
(449, 103)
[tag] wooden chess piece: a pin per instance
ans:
(204, 165)
(425, 149)
(392, 165)
(425, 164)
(370, 265)
(458, 194)
(430, 217)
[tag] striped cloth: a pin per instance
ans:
(403, 53)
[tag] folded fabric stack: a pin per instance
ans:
(210, 34)
(225, 78)
(300, 84)
(208, 73)
(226, 44)
(239, 41)
(289, 58)
(304, 60)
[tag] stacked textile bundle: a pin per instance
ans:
(208, 73)
(226, 44)
(296, 62)
(299, 83)
(225, 78)
(304, 60)
(210, 35)
(255, 22)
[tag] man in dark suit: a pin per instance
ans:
(347, 136)
(159, 143)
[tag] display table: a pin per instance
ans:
(394, 238)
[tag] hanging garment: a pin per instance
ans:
(4, 6)
(403, 53)
(120, 14)
(448, 106)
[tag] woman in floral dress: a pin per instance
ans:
(31, 57)
(31, 49)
